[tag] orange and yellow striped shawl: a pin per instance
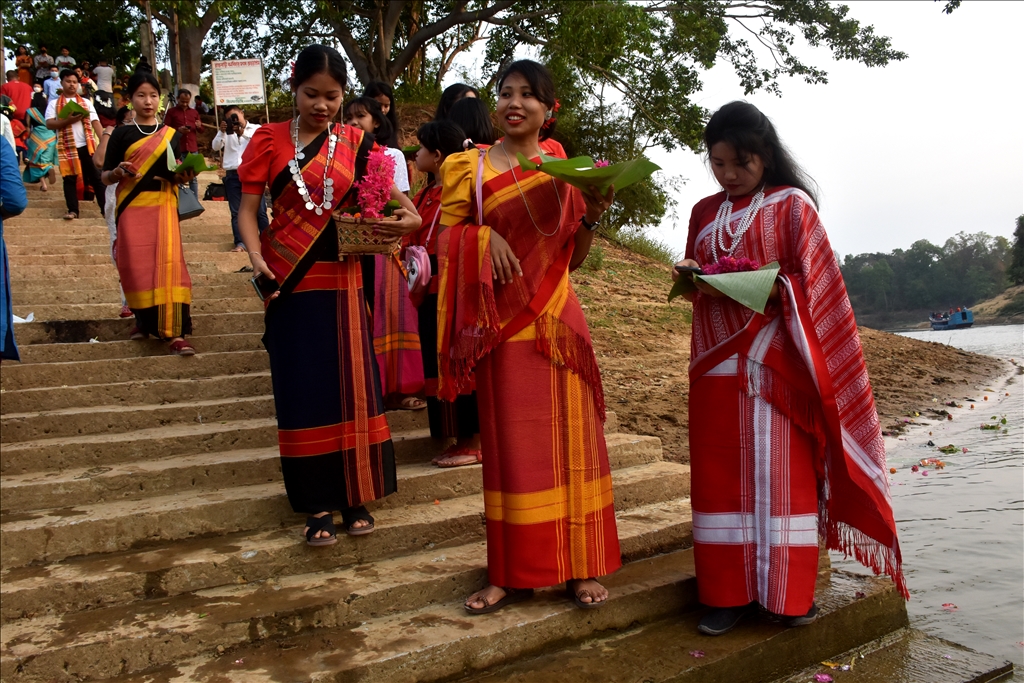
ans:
(67, 151)
(150, 259)
(474, 314)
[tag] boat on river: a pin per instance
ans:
(957, 320)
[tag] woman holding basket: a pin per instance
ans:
(336, 449)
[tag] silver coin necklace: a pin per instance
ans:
(296, 171)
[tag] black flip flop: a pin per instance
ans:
(316, 524)
(353, 515)
(512, 596)
(575, 597)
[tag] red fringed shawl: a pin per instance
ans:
(855, 510)
(474, 313)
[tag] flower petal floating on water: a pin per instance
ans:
(914, 468)
(949, 607)
(892, 470)
(697, 653)
(924, 473)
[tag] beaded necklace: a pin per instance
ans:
(723, 225)
(527, 205)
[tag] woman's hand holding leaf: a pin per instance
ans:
(597, 203)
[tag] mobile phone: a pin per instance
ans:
(264, 286)
(689, 269)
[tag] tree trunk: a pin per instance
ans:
(190, 42)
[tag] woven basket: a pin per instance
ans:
(356, 236)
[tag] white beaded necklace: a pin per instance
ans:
(527, 205)
(296, 170)
(156, 127)
(723, 224)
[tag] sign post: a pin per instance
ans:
(240, 82)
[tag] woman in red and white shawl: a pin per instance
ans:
(785, 443)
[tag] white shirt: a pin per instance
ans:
(7, 132)
(77, 128)
(233, 146)
(401, 170)
(104, 78)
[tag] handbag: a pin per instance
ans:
(417, 259)
(188, 204)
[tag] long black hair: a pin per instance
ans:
(138, 79)
(451, 95)
(319, 59)
(541, 83)
(472, 116)
(743, 126)
(375, 89)
(382, 133)
(441, 136)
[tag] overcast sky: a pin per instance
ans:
(920, 149)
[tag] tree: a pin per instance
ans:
(187, 23)
(89, 28)
(650, 55)
(1015, 271)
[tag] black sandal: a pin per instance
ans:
(512, 596)
(357, 514)
(577, 595)
(317, 524)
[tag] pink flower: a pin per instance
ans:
(600, 163)
(697, 653)
(823, 678)
(728, 264)
(375, 187)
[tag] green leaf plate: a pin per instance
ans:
(580, 171)
(70, 108)
(751, 288)
(193, 161)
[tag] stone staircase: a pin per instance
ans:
(145, 535)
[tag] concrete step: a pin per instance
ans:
(227, 261)
(216, 263)
(195, 564)
(99, 247)
(110, 294)
(80, 284)
(137, 393)
(26, 226)
(99, 311)
(660, 652)
(78, 352)
(114, 419)
(222, 469)
(442, 642)
(910, 655)
(94, 237)
(373, 597)
(116, 329)
(54, 535)
(137, 369)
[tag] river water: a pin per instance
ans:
(962, 528)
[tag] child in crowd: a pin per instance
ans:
(395, 339)
(785, 443)
(457, 419)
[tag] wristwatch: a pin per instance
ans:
(592, 227)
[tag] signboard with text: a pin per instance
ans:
(238, 81)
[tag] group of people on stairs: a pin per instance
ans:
(786, 447)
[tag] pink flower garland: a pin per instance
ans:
(728, 264)
(375, 187)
